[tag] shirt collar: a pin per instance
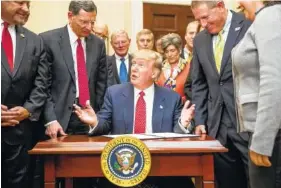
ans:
(186, 51)
(227, 22)
(119, 57)
(148, 91)
(72, 36)
(10, 26)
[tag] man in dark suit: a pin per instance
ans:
(119, 64)
(212, 88)
(78, 69)
(141, 107)
(24, 72)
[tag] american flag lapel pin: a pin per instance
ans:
(237, 28)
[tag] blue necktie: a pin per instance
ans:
(123, 71)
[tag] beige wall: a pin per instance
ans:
(118, 14)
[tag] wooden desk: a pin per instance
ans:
(79, 156)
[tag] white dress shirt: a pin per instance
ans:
(118, 62)
(12, 30)
(186, 53)
(225, 29)
(73, 43)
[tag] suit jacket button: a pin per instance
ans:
(70, 107)
(221, 83)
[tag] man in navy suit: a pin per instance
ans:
(141, 107)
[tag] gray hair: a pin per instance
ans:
(171, 39)
(210, 4)
(119, 32)
(87, 5)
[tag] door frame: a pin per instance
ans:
(137, 18)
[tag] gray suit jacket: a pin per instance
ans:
(211, 91)
(113, 76)
(62, 76)
(257, 78)
(26, 86)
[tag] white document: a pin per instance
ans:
(172, 135)
(139, 136)
(154, 135)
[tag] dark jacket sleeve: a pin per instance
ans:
(200, 90)
(101, 81)
(38, 94)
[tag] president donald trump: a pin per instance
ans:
(141, 107)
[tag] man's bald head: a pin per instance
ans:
(100, 30)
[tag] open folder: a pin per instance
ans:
(155, 135)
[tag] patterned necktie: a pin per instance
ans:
(140, 114)
(219, 47)
(189, 58)
(123, 71)
(8, 45)
(84, 94)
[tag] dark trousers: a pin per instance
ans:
(268, 177)
(14, 162)
(231, 168)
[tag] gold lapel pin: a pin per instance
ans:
(22, 35)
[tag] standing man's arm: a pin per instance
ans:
(101, 81)
(32, 107)
(188, 84)
(53, 127)
(200, 92)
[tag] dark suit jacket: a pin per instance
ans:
(113, 76)
(211, 91)
(62, 77)
(117, 113)
(26, 86)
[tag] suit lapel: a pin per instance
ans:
(128, 95)
(233, 33)
(130, 66)
(158, 110)
(4, 61)
(90, 54)
(20, 47)
(210, 51)
(67, 53)
(114, 69)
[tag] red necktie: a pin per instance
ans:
(8, 45)
(84, 94)
(140, 114)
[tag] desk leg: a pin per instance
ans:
(208, 171)
(68, 182)
(49, 175)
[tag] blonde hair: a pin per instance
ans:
(145, 32)
(150, 55)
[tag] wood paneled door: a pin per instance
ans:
(162, 19)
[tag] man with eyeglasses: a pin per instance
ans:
(119, 64)
(213, 92)
(77, 70)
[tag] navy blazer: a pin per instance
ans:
(117, 113)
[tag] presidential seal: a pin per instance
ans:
(125, 161)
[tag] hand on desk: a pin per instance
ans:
(8, 117)
(86, 115)
(259, 159)
(200, 129)
(54, 129)
(187, 113)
